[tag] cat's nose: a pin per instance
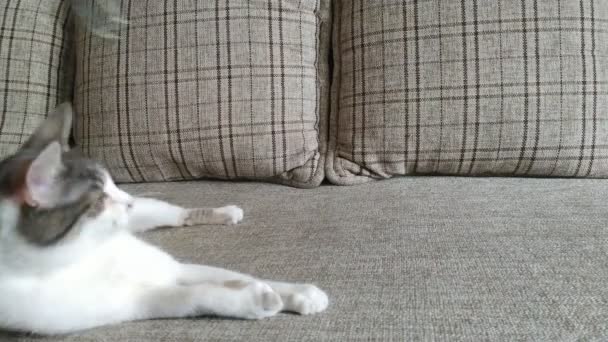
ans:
(129, 205)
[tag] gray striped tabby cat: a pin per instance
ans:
(69, 259)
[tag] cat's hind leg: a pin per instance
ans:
(299, 298)
(69, 311)
(253, 300)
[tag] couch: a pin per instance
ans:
(436, 166)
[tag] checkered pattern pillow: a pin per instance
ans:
(33, 58)
(469, 87)
(222, 89)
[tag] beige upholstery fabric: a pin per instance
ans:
(34, 54)
(410, 259)
(208, 89)
(469, 87)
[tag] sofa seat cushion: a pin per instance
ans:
(416, 259)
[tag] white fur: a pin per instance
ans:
(105, 275)
(233, 213)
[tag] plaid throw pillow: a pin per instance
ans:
(34, 53)
(222, 89)
(469, 87)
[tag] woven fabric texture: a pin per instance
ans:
(34, 60)
(193, 89)
(469, 87)
(405, 260)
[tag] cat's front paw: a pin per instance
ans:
(261, 301)
(227, 215)
(307, 299)
(230, 214)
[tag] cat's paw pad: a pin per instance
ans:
(230, 214)
(264, 301)
(307, 299)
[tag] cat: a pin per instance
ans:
(69, 259)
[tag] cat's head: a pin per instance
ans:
(49, 194)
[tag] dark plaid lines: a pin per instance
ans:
(218, 65)
(236, 89)
(594, 84)
(9, 49)
(526, 97)
(238, 99)
(520, 87)
(119, 109)
(32, 70)
(272, 89)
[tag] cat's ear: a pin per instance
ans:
(41, 188)
(56, 127)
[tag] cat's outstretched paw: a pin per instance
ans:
(306, 300)
(262, 301)
(230, 214)
(227, 215)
